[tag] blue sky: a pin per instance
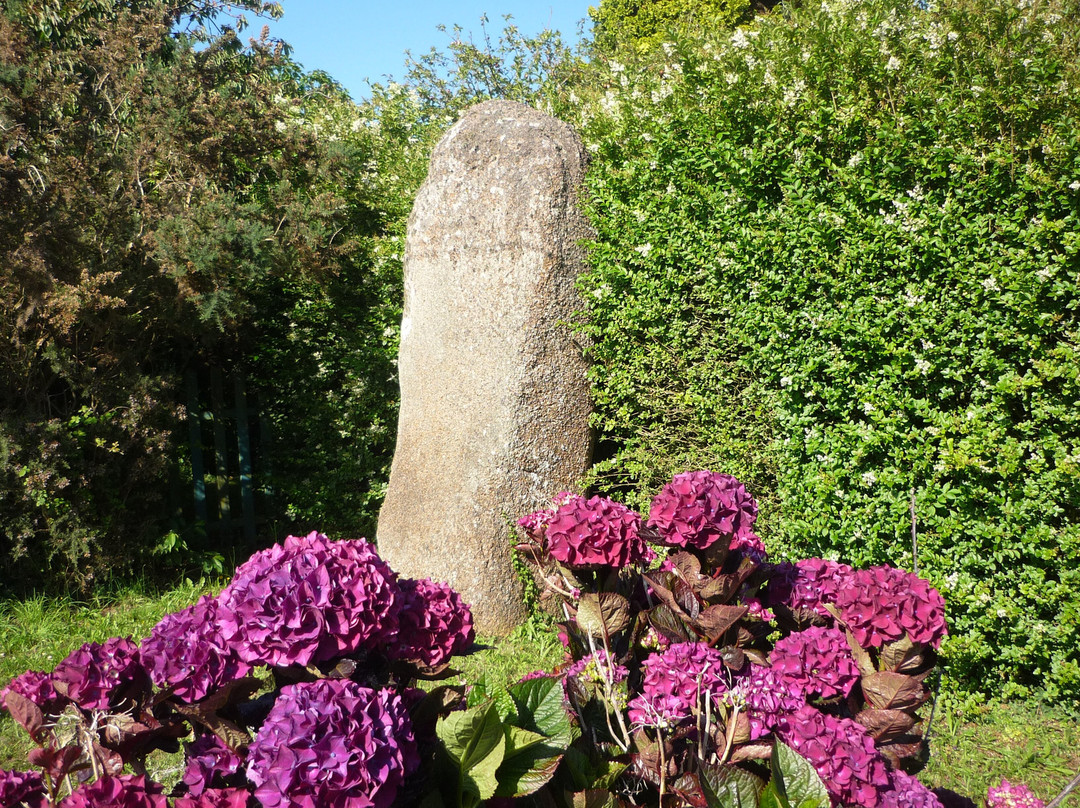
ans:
(358, 40)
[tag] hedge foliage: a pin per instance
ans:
(837, 256)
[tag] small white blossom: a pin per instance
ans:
(785, 381)
(869, 479)
(643, 250)
(922, 366)
(990, 284)
(893, 64)
(1074, 185)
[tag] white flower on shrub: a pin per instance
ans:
(869, 479)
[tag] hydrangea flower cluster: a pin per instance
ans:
(699, 508)
(808, 585)
(98, 676)
(36, 686)
(208, 760)
(186, 651)
(908, 792)
(307, 601)
(434, 623)
(596, 532)
(819, 660)
(674, 683)
(215, 798)
(124, 791)
(882, 604)
(766, 695)
(22, 789)
(334, 744)
(845, 757)
(1010, 795)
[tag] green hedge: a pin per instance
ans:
(836, 256)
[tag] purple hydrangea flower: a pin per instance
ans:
(841, 751)
(536, 523)
(699, 508)
(908, 792)
(125, 791)
(186, 651)
(1010, 795)
(209, 760)
(35, 686)
(22, 789)
(215, 798)
(819, 660)
(597, 668)
(765, 695)
(882, 604)
(334, 744)
(596, 532)
(309, 600)
(98, 676)
(674, 683)
(434, 623)
(809, 584)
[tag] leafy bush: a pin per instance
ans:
(836, 253)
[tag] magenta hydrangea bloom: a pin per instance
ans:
(908, 792)
(808, 584)
(819, 660)
(22, 789)
(125, 791)
(1010, 795)
(97, 676)
(699, 508)
(882, 604)
(434, 623)
(35, 686)
(309, 600)
(215, 798)
(332, 744)
(596, 532)
(841, 751)
(209, 760)
(765, 695)
(674, 683)
(187, 652)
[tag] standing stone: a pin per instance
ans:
(494, 398)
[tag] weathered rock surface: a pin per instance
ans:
(494, 399)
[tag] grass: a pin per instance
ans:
(1039, 746)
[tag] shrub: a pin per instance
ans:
(836, 254)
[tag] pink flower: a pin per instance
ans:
(125, 791)
(187, 652)
(675, 682)
(22, 789)
(699, 508)
(809, 584)
(908, 792)
(1009, 795)
(216, 798)
(434, 623)
(332, 744)
(882, 604)
(596, 532)
(100, 676)
(842, 752)
(308, 601)
(819, 660)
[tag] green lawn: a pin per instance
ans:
(1035, 745)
